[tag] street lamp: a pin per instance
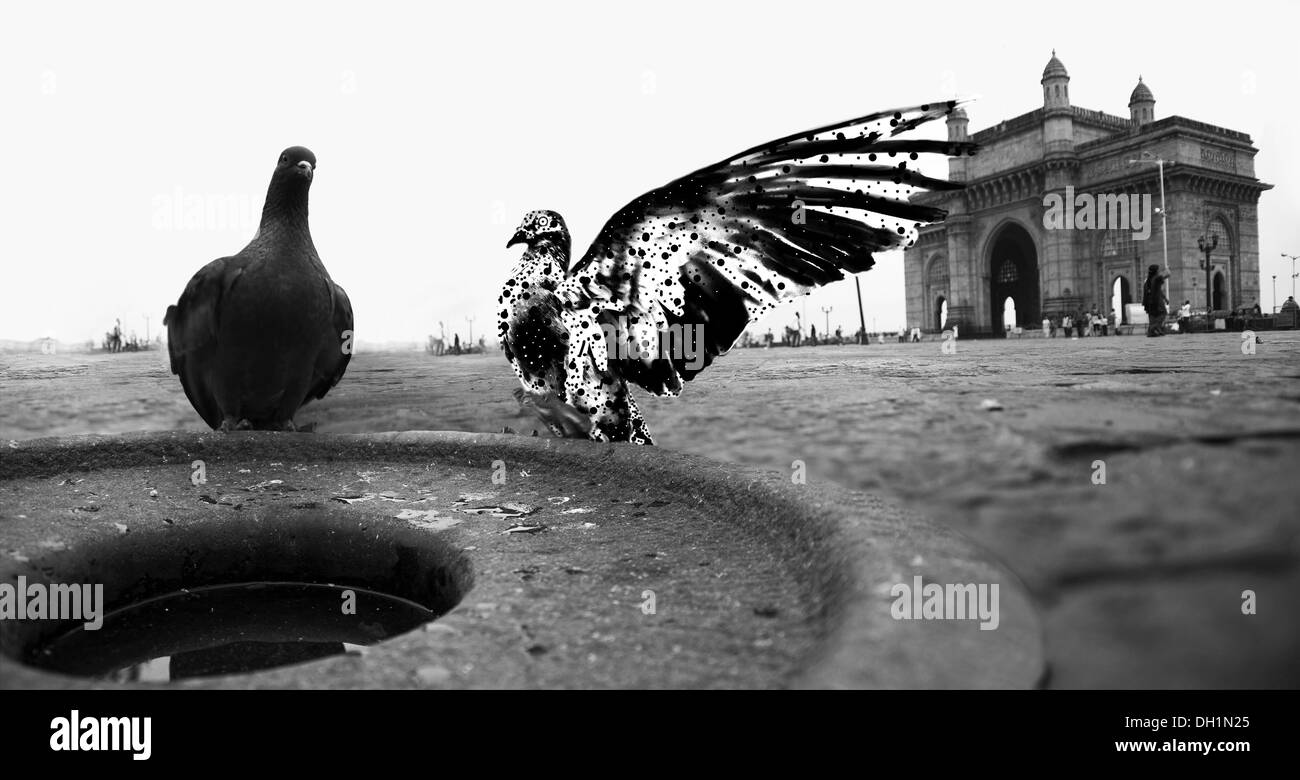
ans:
(1208, 247)
(827, 311)
(1293, 275)
(1275, 293)
(1148, 157)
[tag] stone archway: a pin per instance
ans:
(1220, 292)
(1121, 295)
(936, 291)
(1013, 273)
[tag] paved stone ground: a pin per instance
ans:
(1139, 580)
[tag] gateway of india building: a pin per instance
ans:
(993, 260)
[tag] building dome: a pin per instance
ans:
(1055, 69)
(1142, 104)
(1141, 94)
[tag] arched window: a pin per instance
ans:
(1120, 244)
(936, 277)
(1218, 227)
(1007, 273)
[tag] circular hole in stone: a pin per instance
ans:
(240, 596)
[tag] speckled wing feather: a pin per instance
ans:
(722, 246)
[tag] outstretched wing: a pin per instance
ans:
(192, 326)
(720, 247)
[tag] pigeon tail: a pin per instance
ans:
(563, 420)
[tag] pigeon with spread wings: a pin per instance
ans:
(674, 277)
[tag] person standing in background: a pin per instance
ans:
(1154, 302)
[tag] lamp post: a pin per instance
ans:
(1275, 293)
(1293, 274)
(470, 320)
(1148, 157)
(827, 311)
(862, 318)
(1207, 248)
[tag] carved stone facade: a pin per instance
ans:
(999, 241)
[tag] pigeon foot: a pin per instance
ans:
(231, 424)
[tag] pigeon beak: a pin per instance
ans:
(305, 168)
(519, 238)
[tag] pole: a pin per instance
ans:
(827, 311)
(1208, 248)
(471, 329)
(1275, 293)
(1164, 215)
(862, 318)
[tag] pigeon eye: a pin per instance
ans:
(283, 158)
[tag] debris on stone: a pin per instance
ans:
(356, 498)
(505, 511)
(270, 484)
(428, 519)
(433, 675)
(524, 529)
(990, 405)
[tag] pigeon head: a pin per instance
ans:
(296, 161)
(541, 226)
(286, 198)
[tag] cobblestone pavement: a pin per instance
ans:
(1140, 580)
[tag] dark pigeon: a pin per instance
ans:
(676, 275)
(258, 334)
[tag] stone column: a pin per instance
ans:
(962, 276)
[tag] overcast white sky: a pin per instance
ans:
(437, 126)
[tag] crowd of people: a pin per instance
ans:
(1090, 322)
(116, 341)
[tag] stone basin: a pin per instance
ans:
(547, 563)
